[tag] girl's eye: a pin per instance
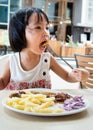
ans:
(38, 27)
(47, 28)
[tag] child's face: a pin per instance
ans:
(37, 33)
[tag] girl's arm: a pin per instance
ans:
(76, 75)
(4, 74)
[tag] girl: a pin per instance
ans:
(29, 66)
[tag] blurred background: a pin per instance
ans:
(71, 24)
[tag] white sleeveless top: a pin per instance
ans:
(38, 77)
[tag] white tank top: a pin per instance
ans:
(38, 77)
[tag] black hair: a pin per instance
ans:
(17, 25)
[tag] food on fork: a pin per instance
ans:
(45, 43)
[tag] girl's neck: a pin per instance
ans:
(29, 60)
(29, 54)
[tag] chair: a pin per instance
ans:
(3, 49)
(85, 61)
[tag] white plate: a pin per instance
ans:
(64, 113)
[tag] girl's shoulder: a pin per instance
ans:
(7, 57)
(4, 57)
(48, 54)
(4, 61)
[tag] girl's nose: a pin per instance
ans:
(47, 37)
(46, 34)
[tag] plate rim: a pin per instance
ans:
(64, 113)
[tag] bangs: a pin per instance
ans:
(41, 17)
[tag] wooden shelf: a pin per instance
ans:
(68, 51)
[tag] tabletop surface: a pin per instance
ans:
(10, 120)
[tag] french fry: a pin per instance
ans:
(30, 102)
(46, 105)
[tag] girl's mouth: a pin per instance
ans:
(44, 43)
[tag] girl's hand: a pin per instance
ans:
(79, 74)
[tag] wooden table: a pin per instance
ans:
(14, 121)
